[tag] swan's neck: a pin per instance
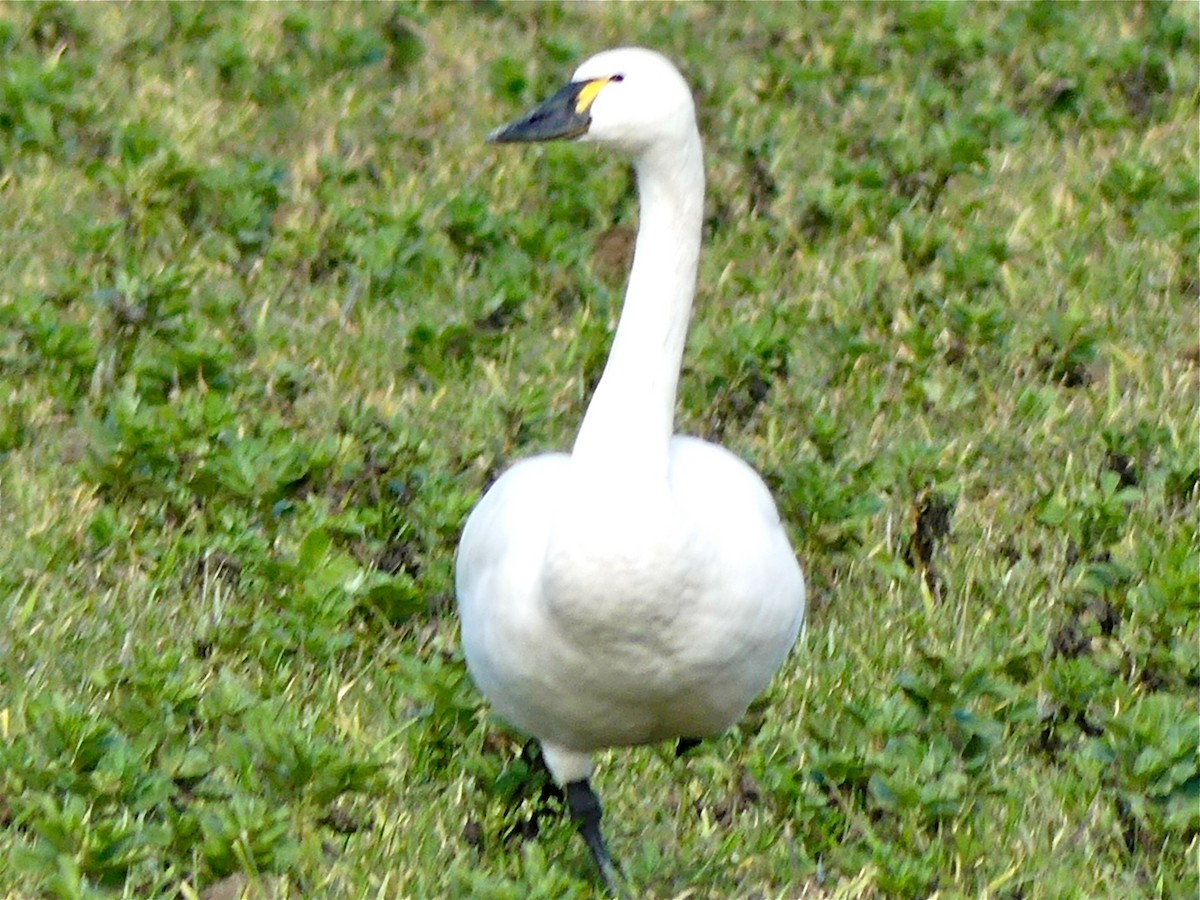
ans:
(630, 420)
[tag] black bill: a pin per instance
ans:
(563, 116)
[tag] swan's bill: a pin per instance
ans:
(561, 117)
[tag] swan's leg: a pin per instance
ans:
(585, 809)
(573, 770)
(685, 744)
(531, 755)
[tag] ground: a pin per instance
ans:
(272, 315)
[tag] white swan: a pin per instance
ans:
(640, 588)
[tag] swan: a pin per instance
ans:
(640, 588)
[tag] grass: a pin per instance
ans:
(272, 315)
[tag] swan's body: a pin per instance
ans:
(632, 612)
(640, 588)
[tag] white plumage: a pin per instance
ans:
(640, 588)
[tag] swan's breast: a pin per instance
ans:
(683, 580)
(616, 574)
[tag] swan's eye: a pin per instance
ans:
(617, 78)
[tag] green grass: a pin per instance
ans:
(272, 315)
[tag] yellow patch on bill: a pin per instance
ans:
(588, 93)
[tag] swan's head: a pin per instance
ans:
(629, 98)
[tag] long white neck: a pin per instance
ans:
(630, 420)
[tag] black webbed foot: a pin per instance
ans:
(585, 809)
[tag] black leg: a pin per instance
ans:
(531, 755)
(585, 809)
(685, 744)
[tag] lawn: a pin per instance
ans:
(272, 315)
